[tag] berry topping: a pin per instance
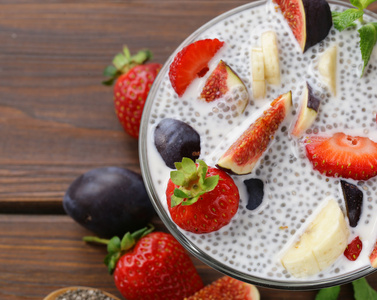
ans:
(192, 62)
(353, 250)
(343, 155)
(201, 199)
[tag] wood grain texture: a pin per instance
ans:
(39, 254)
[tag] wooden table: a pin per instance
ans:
(57, 121)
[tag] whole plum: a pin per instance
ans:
(109, 201)
(174, 140)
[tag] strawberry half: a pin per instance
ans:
(343, 155)
(227, 288)
(150, 265)
(201, 199)
(192, 62)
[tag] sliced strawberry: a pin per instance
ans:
(227, 288)
(192, 62)
(243, 155)
(353, 250)
(373, 256)
(343, 156)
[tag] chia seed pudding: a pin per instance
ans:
(253, 241)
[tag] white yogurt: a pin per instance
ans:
(251, 243)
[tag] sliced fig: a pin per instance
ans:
(244, 154)
(174, 140)
(309, 20)
(354, 201)
(224, 83)
(308, 112)
(254, 187)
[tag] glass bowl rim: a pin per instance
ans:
(294, 285)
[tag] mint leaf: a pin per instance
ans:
(363, 290)
(347, 18)
(364, 3)
(368, 38)
(357, 3)
(330, 293)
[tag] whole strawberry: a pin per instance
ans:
(134, 78)
(150, 265)
(201, 199)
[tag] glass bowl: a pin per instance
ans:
(231, 262)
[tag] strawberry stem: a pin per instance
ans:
(117, 247)
(123, 62)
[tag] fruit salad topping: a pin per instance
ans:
(201, 199)
(353, 250)
(192, 62)
(343, 156)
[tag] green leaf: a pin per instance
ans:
(120, 61)
(180, 194)
(178, 178)
(346, 19)
(192, 200)
(110, 71)
(114, 245)
(178, 165)
(357, 3)
(108, 81)
(211, 182)
(330, 293)
(111, 261)
(364, 3)
(127, 242)
(188, 166)
(202, 170)
(175, 201)
(363, 290)
(368, 38)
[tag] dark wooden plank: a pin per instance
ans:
(56, 119)
(39, 254)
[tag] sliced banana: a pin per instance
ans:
(271, 57)
(257, 69)
(324, 240)
(327, 67)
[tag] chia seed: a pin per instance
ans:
(84, 294)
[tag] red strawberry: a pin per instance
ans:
(353, 250)
(342, 155)
(373, 256)
(201, 199)
(192, 62)
(227, 288)
(133, 82)
(150, 265)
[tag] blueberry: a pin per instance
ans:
(109, 201)
(174, 140)
(255, 189)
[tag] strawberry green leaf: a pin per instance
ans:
(178, 165)
(180, 194)
(331, 293)
(188, 166)
(114, 245)
(347, 18)
(175, 200)
(110, 71)
(211, 182)
(368, 38)
(362, 290)
(120, 61)
(202, 170)
(178, 178)
(191, 200)
(127, 242)
(111, 261)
